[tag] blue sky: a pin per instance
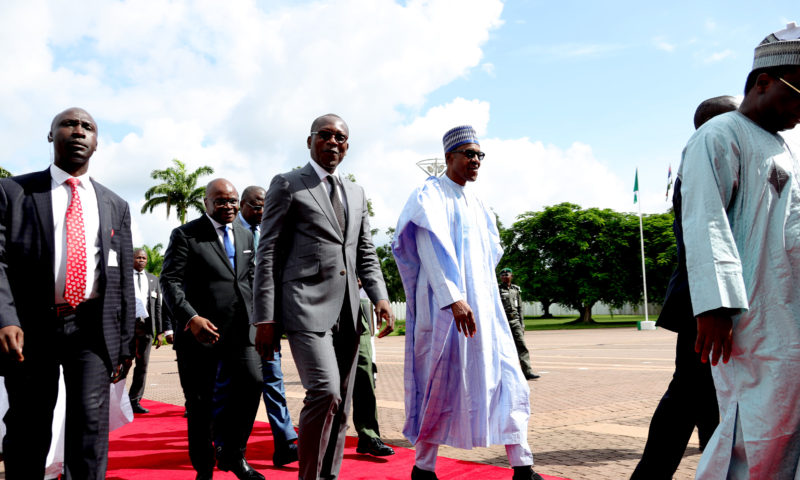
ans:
(568, 97)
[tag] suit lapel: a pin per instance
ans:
(216, 246)
(320, 194)
(240, 240)
(106, 225)
(354, 203)
(43, 201)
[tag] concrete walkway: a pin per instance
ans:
(591, 408)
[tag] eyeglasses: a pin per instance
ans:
(257, 208)
(226, 202)
(789, 85)
(327, 134)
(471, 154)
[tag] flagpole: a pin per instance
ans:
(641, 242)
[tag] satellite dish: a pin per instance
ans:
(433, 166)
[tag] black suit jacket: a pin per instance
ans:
(27, 280)
(197, 279)
(153, 305)
(676, 313)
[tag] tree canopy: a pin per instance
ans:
(578, 257)
(179, 190)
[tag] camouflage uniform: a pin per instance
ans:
(512, 303)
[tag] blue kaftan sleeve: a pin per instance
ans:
(709, 173)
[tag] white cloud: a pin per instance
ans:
(717, 56)
(662, 44)
(235, 86)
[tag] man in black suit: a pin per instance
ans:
(66, 298)
(207, 285)
(148, 324)
(690, 399)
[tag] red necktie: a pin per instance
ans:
(75, 288)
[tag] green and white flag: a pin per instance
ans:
(636, 187)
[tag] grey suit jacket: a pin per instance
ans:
(27, 246)
(197, 279)
(305, 262)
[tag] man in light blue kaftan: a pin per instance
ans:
(460, 390)
(741, 225)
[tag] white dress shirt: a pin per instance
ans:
(61, 195)
(229, 231)
(142, 293)
(323, 175)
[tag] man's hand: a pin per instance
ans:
(465, 319)
(384, 312)
(266, 346)
(714, 334)
(203, 330)
(122, 369)
(164, 338)
(11, 341)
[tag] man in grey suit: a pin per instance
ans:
(148, 293)
(315, 243)
(66, 299)
(207, 285)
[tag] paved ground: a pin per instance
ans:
(591, 408)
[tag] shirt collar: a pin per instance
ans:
(244, 222)
(323, 174)
(216, 224)
(60, 176)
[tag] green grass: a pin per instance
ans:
(560, 323)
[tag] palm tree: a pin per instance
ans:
(179, 190)
(155, 259)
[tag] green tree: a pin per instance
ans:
(579, 257)
(155, 259)
(179, 190)
(4, 173)
(391, 275)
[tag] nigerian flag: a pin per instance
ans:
(636, 186)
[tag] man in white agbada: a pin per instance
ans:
(460, 390)
(741, 227)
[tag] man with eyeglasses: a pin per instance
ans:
(741, 232)
(315, 243)
(280, 421)
(464, 384)
(207, 285)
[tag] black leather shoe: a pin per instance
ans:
(138, 408)
(241, 469)
(531, 376)
(204, 476)
(525, 473)
(285, 455)
(374, 446)
(420, 474)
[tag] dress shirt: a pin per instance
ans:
(61, 196)
(229, 231)
(247, 225)
(142, 294)
(323, 175)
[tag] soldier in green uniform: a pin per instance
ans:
(512, 302)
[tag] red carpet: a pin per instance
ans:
(154, 447)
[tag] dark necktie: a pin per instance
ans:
(338, 208)
(254, 229)
(229, 251)
(139, 280)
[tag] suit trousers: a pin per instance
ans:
(275, 401)
(690, 400)
(144, 341)
(326, 363)
(222, 388)
(77, 345)
(365, 410)
(518, 332)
